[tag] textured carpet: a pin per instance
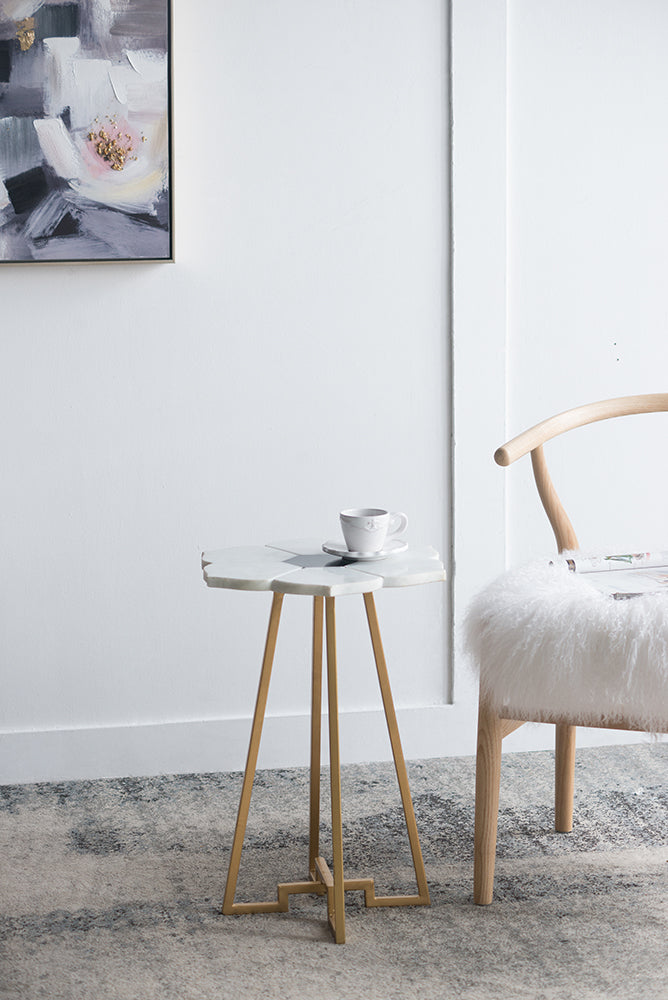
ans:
(112, 889)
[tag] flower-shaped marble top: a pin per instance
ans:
(303, 568)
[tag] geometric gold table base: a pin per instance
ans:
(323, 880)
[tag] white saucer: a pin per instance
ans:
(392, 548)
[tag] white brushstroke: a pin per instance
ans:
(101, 18)
(60, 73)
(58, 148)
(149, 64)
(4, 197)
(134, 189)
(138, 194)
(117, 78)
(93, 95)
(137, 94)
(141, 83)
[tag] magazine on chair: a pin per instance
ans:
(622, 576)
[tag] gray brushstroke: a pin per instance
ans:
(124, 235)
(15, 246)
(7, 29)
(144, 20)
(71, 248)
(19, 146)
(29, 69)
(162, 207)
(10, 10)
(58, 21)
(95, 32)
(22, 102)
(47, 216)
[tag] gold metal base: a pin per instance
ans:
(323, 880)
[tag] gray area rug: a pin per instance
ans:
(112, 889)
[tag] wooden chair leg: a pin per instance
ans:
(488, 777)
(564, 778)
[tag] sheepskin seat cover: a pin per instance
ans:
(548, 643)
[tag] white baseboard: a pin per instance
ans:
(215, 745)
(221, 745)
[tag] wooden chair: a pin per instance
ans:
(494, 723)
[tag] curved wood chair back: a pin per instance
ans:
(532, 440)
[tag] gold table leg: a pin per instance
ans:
(322, 880)
(422, 899)
(316, 714)
(229, 906)
(336, 899)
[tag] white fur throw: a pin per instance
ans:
(547, 643)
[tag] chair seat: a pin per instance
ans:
(549, 645)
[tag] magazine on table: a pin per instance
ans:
(622, 576)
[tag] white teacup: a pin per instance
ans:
(367, 529)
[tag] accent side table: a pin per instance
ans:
(302, 568)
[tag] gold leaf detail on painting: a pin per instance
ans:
(25, 32)
(111, 145)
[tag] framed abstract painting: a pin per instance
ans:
(85, 131)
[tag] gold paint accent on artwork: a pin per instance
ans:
(25, 32)
(111, 144)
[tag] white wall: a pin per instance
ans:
(293, 361)
(560, 297)
(151, 411)
(588, 258)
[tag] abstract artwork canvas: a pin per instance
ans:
(85, 130)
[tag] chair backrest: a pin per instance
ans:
(532, 440)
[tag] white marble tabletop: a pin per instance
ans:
(301, 567)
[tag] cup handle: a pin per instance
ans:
(398, 524)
